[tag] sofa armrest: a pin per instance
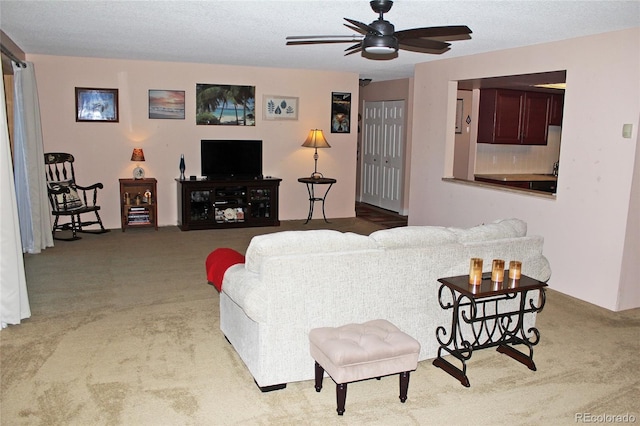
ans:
(246, 290)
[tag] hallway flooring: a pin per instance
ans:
(380, 216)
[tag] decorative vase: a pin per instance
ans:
(182, 167)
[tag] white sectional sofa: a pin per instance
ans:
(295, 281)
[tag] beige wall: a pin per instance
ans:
(103, 150)
(629, 292)
(462, 167)
(586, 226)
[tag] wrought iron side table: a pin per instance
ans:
(311, 182)
(480, 320)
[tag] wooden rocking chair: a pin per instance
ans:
(68, 199)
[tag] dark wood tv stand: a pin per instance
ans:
(232, 203)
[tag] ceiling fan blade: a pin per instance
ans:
(358, 50)
(424, 43)
(363, 27)
(432, 32)
(356, 29)
(322, 39)
(354, 47)
(303, 42)
(353, 37)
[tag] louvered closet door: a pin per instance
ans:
(383, 143)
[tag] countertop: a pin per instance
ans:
(519, 177)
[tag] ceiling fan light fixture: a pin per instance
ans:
(380, 41)
(380, 45)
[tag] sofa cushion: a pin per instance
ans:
(498, 230)
(413, 236)
(303, 242)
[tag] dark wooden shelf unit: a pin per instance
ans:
(137, 209)
(210, 204)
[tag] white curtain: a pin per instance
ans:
(29, 174)
(14, 301)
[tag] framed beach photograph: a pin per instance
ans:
(227, 105)
(340, 112)
(279, 107)
(97, 105)
(166, 104)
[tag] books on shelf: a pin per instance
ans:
(138, 216)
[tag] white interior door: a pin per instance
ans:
(371, 140)
(383, 145)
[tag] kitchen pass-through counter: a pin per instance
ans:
(531, 181)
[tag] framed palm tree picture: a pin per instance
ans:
(229, 105)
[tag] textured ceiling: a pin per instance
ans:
(253, 32)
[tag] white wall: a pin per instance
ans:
(103, 150)
(585, 226)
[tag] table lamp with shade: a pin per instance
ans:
(138, 156)
(316, 140)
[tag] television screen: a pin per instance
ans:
(231, 159)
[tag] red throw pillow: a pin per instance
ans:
(218, 262)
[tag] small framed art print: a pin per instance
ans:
(100, 105)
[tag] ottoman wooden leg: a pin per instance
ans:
(341, 397)
(404, 385)
(319, 375)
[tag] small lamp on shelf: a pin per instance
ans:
(316, 140)
(138, 155)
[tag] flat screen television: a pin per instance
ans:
(231, 159)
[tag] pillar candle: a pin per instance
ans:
(475, 271)
(497, 271)
(515, 268)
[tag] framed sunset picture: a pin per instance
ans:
(167, 104)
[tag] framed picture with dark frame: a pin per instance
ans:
(340, 112)
(97, 105)
(223, 104)
(166, 104)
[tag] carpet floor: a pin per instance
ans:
(125, 331)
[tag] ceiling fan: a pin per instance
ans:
(380, 39)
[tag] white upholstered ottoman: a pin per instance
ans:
(356, 352)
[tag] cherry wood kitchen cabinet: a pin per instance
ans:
(557, 107)
(513, 117)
